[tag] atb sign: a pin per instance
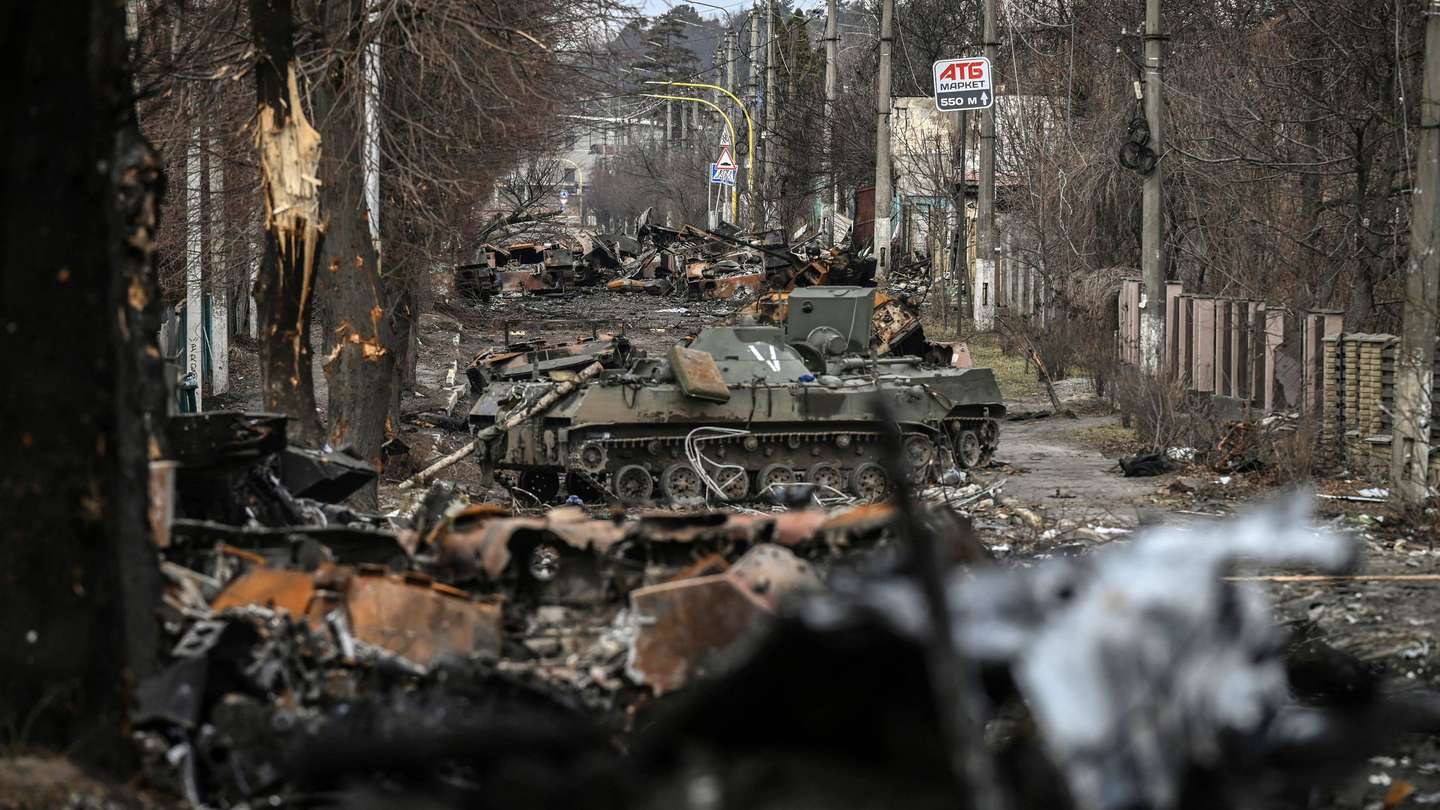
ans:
(963, 84)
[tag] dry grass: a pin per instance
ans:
(1016, 378)
(1109, 440)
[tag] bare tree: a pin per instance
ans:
(289, 149)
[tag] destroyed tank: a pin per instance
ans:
(742, 410)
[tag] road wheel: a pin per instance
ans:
(633, 485)
(968, 452)
(734, 482)
(773, 475)
(869, 482)
(681, 484)
(919, 451)
(591, 458)
(543, 485)
(827, 478)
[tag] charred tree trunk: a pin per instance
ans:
(78, 575)
(361, 367)
(294, 230)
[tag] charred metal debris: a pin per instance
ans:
(288, 612)
(688, 262)
(459, 654)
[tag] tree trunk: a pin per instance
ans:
(294, 230)
(79, 301)
(361, 368)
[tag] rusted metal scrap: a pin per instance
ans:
(193, 541)
(522, 267)
(684, 625)
(559, 552)
(653, 286)
(702, 284)
(537, 360)
(407, 614)
(567, 557)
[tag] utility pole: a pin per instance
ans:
(770, 75)
(1415, 364)
(729, 61)
(832, 52)
(756, 217)
(1152, 237)
(959, 247)
(982, 294)
(218, 322)
(371, 161)
(194, 270)
(883, 192)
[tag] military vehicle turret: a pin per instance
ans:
(742, 409)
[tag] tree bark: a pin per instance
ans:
(294, 229)
(79, 305)
(361, 368)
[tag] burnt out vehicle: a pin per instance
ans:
(528, 268)
(742, 410)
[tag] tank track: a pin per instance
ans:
(645, 469)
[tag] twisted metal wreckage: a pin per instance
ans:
(696, 263)
(457, 654)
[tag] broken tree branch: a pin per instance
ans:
(541, 405)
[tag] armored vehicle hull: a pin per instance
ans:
(745, 409)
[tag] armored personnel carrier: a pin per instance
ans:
(743, 409)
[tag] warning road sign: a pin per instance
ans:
(963, 84)
(725, 161)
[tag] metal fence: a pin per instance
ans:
(1246, 354)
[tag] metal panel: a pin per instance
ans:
(1185, 338)
(1240, 349)
(1255, 320)
(1203, 370)
(1222, 347)
(1274, 336)
(1173, 289)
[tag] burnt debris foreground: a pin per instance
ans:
(456, 654)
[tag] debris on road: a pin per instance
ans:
(1146, 464)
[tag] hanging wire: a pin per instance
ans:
(700, 461)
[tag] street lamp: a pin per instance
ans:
(729, 127)
(749, 126)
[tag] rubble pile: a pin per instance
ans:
(790, 657)
(288, 612)
(814, 621)
(695, 263)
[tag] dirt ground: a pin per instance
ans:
(1054, 471)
